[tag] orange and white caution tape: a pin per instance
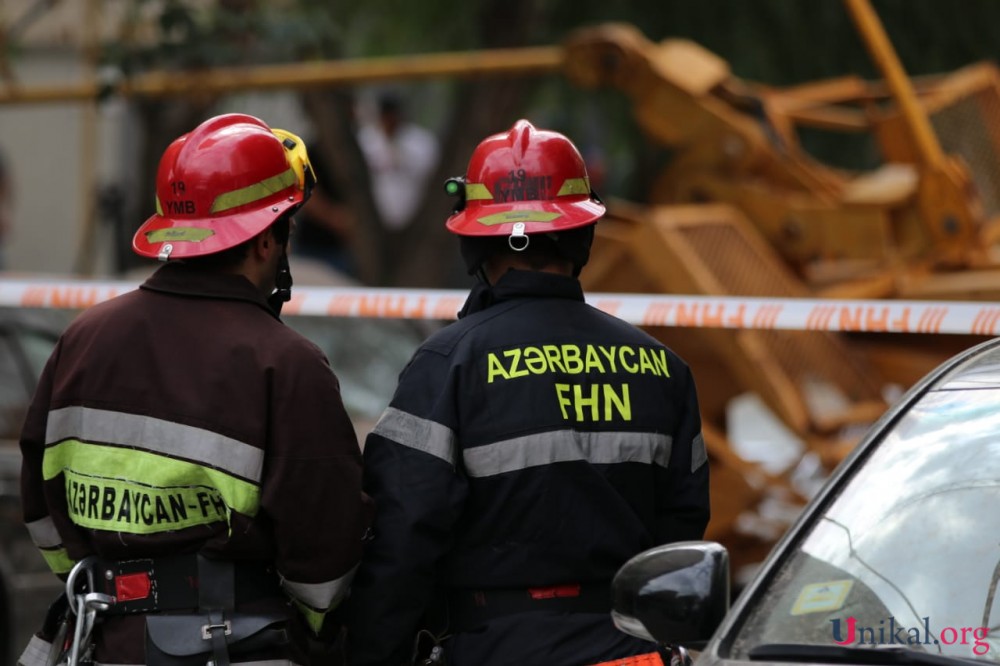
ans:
(869, 316)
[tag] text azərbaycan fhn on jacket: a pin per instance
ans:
(192, 443)
(184, 417)
(533, 446)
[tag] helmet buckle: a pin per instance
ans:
(518, 240)
(165, 251)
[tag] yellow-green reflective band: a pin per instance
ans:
(121, 506)
(159, 208)
(314, 618)
(189, 234)
(58, 560)
(574, 186)
(518, 216)
(177, 492)
(477, 192)
(255, 192)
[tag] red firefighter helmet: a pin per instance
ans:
(222, 184)
(525, 181)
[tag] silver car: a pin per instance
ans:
(895, 561)
(27, 586)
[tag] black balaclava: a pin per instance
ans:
(572, 245)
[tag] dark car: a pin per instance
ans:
(896, 560)
(27, 586)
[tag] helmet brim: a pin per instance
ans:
(537, 217)
(197, 237)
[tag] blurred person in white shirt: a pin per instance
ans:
(401, 157)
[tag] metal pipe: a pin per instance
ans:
(87, 243)
(494, 62)
(877, 41)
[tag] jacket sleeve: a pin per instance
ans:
(412, 470)
(683, 510)
(311, 489)
(37, 516)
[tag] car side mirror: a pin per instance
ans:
(673, 594)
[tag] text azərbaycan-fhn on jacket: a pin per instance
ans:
(185, 417)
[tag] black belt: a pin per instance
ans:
(468, 609)
(152, 585)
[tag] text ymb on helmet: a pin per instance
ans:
(521, 182)
(222, 184)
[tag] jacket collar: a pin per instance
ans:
(182, 279)
(521, 284)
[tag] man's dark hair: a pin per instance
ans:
(234, 256)
(390, 103)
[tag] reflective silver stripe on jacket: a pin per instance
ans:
(36, 653)
(43, 533)
(417, 433)
(699, 454)
(321, 595)
(158, 436)
(566, 445)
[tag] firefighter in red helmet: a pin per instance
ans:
(531, 447)
(223, 184)
(174, 428)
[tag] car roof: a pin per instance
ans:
(977, 367)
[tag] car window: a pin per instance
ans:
(13, 392)
(36, 346)
(367, 355)
(909, 551)
(27, 337)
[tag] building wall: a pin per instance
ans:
(56, 171)
(42, 145)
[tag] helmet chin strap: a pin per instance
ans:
(282, 283)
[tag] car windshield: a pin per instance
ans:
(367, 355)
(909, 550)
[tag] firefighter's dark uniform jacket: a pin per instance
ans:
(185, 417)
(536, 442)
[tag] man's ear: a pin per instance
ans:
(262, 243)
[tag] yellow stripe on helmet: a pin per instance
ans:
(255, 192)
(173, 234)
(477, 192)
(518, 216)
(574, 186)
(571, 186)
